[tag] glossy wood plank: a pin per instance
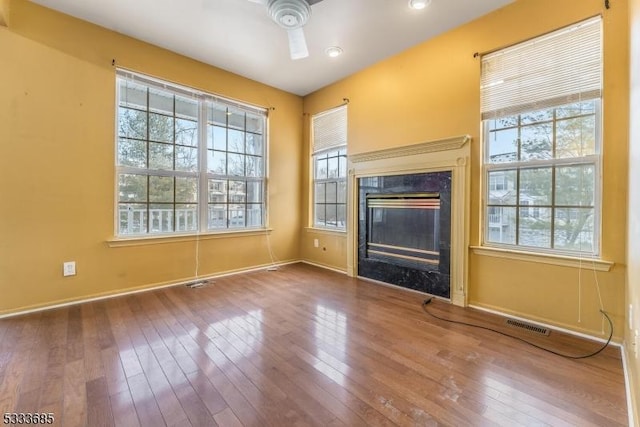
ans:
(300, 346)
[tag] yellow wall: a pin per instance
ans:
(432, 91)
(633, 238)
(57, 122)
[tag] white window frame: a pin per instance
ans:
(509, 92)
(192, 221)
(329, 141)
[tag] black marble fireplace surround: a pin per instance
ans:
(404, 230)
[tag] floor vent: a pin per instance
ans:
(528, 326)
(197, 284)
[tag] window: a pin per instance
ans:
(186, 161)
(541, 110)
(330, 168)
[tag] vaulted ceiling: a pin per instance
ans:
(239, 36)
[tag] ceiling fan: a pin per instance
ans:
(291, 15)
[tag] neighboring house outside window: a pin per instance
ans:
(541, 109)
(186, 161)
(329, 135)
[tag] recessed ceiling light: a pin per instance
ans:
(333, 51)
(419, 4)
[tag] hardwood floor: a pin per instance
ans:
(299, 346)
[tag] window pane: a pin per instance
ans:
(255, 123)
(160, 128)
(342, 216)
(320, 192)
(320, 214)
(161, 218)
(161, 189)
(236, 118)
(237, 192)
(236, 216)
(576, 109)
(235, 164)
(503, 122)
(254, 192)
(254, 144)
(217, 114)
(535, 227)
(537, 116)
(536, 141)
(160, 156)
(186, 132)
(576, 137)
(132, 188)
(160, 101)
(254, 215)
(535, 186)
(132, 218)
(503, 146)
(186, 159)
(342, 192)
(132, 152)
(133, 95)
(217, 162)
(342, 170)
(217, 138)
(321, 168)
(575, 185)
(132, 123)
(332, 215)
(502, 187)
(186, 217)
(217, 191)
(254, 166)
(186, 190)
(186, 108)
(501, 224)
(332, 171)
(574, 229)
(217, 216)
(332, 192)
(236, 141)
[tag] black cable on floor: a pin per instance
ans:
(568, 356)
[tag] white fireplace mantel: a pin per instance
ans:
(450, 154)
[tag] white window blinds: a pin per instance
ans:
(558, 68)
(330, 129)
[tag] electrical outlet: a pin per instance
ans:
(69, 268)
(316, 243)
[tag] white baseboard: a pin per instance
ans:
(631, 408)
(546, 325)
(146, 288)
(326, 267)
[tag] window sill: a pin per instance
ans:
(119, 242)
(328, 231)
(562, 260)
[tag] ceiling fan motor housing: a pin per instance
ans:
(289, 14)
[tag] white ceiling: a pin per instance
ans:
(239, 36)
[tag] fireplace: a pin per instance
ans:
(404, 230)
(392, 221)
(408, 216)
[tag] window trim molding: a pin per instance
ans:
(587, 262)
(157, 239)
